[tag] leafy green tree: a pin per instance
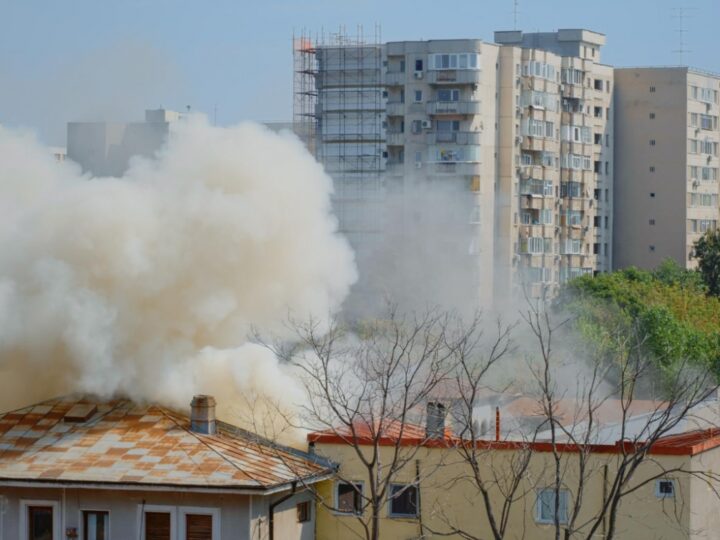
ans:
(707, 252)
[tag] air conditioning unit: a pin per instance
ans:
(426, 124)
(418, 74)
(518, 140)
(696, 183)
(418, 164)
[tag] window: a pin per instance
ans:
(651, 247)
(577, 134)
(418, 65)
(693, 119)
(598, 84)
(652, 222)
(708, 122)
(652, 142)
(198, 527)
(652, 194)
(652, 89)
(418, 96)
(652, 116)
(452, 94)
(416, 126)
(96, 525)
(598, 138)
(348, 497)
(40, 522)
(571, 189)
(303, 512)
(664, 488)
(540, 70)
(607, 140)
(403, 500)
(598, 112)
(455, 61)
(572, 76)
(402, 66)
(652, 169)
(158, 525)
(607, 167)
(536, 245)
(546, 498)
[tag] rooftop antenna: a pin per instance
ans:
(516, 5)
(681, 15)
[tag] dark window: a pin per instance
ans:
(157, 526)
(652, 169)
(96, 525)
(652, 89)
(652, 116)
(598, 84)
(652, 194)
(596, 249)
(665, 488)
(349, 497)
(652, 142)
(402, 66)
(40, 523)
(303, 511)
(403, 500)
(652, 248)
(598, 138)
(198, 527)
(418, 65)
(652, 222)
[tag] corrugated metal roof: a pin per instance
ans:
(125, 443)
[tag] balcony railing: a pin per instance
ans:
(395, 108)
(395, 78)
(395, 138)
(453, 76)
(458, 168)
(457, 137)
(453, 107)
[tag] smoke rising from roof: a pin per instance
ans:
(147, 286)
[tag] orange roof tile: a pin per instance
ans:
(125, 443)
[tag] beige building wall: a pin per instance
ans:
(449, 500)
(659, 168)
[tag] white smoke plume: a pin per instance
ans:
(148, 286)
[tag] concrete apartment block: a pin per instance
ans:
(667, 137)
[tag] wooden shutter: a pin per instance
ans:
(157, 526)
(198, 527)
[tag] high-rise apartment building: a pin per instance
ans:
(667, 163)
(515, 138)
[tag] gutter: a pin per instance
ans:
(271, 510)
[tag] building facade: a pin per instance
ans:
(495, 158)
(105, 148)
(667, 163)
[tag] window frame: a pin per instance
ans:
(661, 495)
(212, 511)
(563, 492)
(26, 504)
(308, 516)
(156, 508)
(392, 498)
(336, 498)
(81, 520)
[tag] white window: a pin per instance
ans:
(538, 128)
(403, 500)
(95, 525)
(546, 216)
(570, 189)
(526, 159)
(577, 134)
(348, 497)
(545, 507)
(455, 61)
(40, 520)
(450, 94)
(536, 245)
(664, 488)
(571, 246)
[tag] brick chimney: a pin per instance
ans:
(435, 422)
(202, 415)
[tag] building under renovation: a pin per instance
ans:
(487, 164)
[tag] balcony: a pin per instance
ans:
(453, 76)
(453, 107)
(395, 78)
(395, 138)
(457, 137)
(395, 108)
(454, 168)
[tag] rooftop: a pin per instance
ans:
(78, 440)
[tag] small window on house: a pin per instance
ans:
(652, 194)
(598, 84)
(652, 247)
(607, 140)
(652, 116)
(403, 500)
(652, 222)
(416, 126)
(607, 167)
(665, 489)
(418, 65)
(418, 96)
(652, 169)
(198, 526)
(598, 138)
(348, 497)
(40, 522)
(545, 507)
(303, 512)
(652, 89)
(157, 525)
(96, 525)
(652, 142)
(402, 66)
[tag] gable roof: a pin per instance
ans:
(142, 447)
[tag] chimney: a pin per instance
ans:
(435, 422)
(202, 415)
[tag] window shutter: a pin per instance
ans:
(157, 526)
(198, 527)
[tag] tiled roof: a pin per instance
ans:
(141, 445)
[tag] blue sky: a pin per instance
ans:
(91, 59)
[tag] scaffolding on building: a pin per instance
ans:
(339, 112)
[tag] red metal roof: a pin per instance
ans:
(125, 443)
(689, 443)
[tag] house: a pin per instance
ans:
(436, 495)
(79, 467)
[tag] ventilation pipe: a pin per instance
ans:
(435, 423)
(202, 415)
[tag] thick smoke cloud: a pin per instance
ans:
(148, 285)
